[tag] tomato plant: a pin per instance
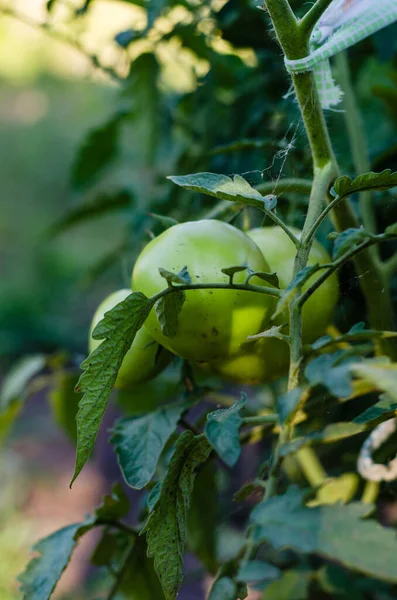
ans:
(243, 302)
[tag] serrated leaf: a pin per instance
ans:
(381, 411)
(292, 289)
(236, 189)
(349, 239)
(139, 442)
(119, 328)
(165, 528)
(41, 575)
(383, 376)
(254, 571)
(182, 277)
(101, 205)
(288, 403)
(332, 532)
(97, 150)
(140, 581)
(202, 518)
(64, 401)
(345, 186)
(222, 431)
(168, 309)
(333, 432)
(114, 506)
(271, 278)
(292, 585)
(223, 589)
(336, 378)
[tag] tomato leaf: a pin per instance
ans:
(139, 442)
(167, 311)
(334, 432)
(202, 518)
(345, 186)
(336, 377)
(114, 506)
(349, 239)
(222, 431)
(231, 271)
(271, 278)
(333, 532)
(381, 411)
(119, 328)
(292, 585)
(166, 525)
(255, 571)
(236, 189)
(223, 589)
(382, 375)
(391, 230)
(288, 403)
(356, 334)
(140, 581)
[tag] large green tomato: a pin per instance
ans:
(142, 360)
(280, 252)
(212, 323)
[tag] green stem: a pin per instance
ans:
(260, 419)
(121, 572)
(390, 266)
(276, 293)
(311, 466)
(370, 493)
(358, 142)
(308, 22)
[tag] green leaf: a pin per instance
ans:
(222, 431)
(336, 378)
(292, 289)
(357, 333)
(231, 271)
(139, 442)
(338, 489)
(119, 328)
(391, 230)
(381, 411)
(14, 389)
(140, 581)
(165, 528)
(182, 277)
(332, 532)
(101, 205)
(382, 375)
(273, 332)
(288, 403)
(41, 575)
(97, 150)
(292, 585)
(168, 309)
(345, 186)
(223, 589)
(257, 570)
(224, 188)
(271, 278)
(110, 549)
(114, 506)
(349, 239)
(333, 432)
(64, 402)
(202, 518)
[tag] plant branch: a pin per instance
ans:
(260, 419)
(269, 291)
(121, 572)
(310, 19)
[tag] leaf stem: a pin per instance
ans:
(310, 19)
(275, 292)
(260, 419)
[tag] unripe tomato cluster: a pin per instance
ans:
(214, 323)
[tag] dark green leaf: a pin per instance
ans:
(165, 528)
(98, 149)
(182, 277)
(231, 271)
(381, 411)
(140, 581)
(345, 186)
(293, 585)
(356, 334)
(41, 575)
(64, 401)
(114, 506)
(257, 570)
(292, 289)
(119, 328)
(102, 204)
(333, 532)
(288, 403)
(153, 496)
(336, 378)
(110, 548)
(202, 518)
(168, 309)
(222, 431)
(139, 442)
(349, 239)
(223, 589)
(271, 278)
(223, 188)
(333, 432)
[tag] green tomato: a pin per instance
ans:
(212, 323)
(143, 360)
(280, 252)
